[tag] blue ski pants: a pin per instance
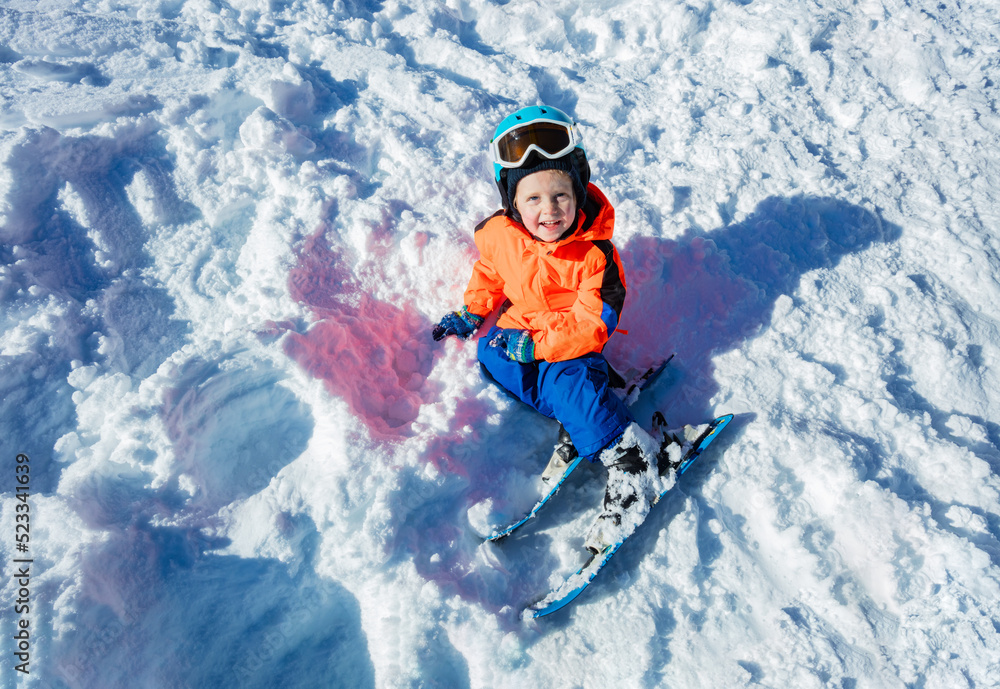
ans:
(577, 393)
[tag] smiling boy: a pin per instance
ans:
(547, 204)
(548, 263)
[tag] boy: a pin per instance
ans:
(547, 261)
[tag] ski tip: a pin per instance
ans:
(721, 422)
(706, 439)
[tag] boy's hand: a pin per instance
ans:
(517, 344)
(460, 323)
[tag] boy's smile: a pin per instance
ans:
(547, 204)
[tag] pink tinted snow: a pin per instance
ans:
(367, 352)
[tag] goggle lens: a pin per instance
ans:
(550, 138)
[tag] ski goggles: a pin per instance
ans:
(549, 138)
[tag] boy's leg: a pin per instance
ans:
(576, 392)
(580, 394)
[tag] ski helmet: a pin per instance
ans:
(538, 137)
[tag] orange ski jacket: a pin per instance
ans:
(568, 294)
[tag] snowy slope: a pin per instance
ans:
(228, 227)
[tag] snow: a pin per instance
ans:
(228, 228)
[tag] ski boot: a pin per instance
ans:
(633, 486)
(562, 455)
(674, 444)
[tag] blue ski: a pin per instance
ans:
(576, 584)
(631, 395)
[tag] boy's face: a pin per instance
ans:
(546, 203)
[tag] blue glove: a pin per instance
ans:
(461, 323)
(517, 344)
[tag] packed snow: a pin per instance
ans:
(229, 227)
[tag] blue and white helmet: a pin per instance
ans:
(537, 137)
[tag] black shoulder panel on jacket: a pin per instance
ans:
(590, 210)
(613, 286)
(483, 223)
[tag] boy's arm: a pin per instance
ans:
(485, 290)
